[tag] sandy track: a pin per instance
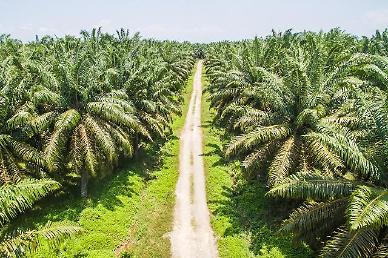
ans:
(192, 235)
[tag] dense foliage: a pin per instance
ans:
(308, 114)
(16, 198)
(71, 108)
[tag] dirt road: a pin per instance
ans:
(192, 235)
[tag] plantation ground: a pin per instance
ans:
(192, 235)
(133, 210)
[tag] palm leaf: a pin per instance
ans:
(16, 198)
(21, 243)
(323, 156)
(89, 155)
(114, 113)
(348, 151)
(316, 216)
(27, 153)
(103, 139)
(345, 244)
(53, 150)
(250, 140)
(282, 162)
(312, 185)
(368, 207)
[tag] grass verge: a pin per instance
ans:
(124, 213)
(243, 219)
(153, 221)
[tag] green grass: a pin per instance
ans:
(244, 220)
(105, 216)
(132, 209)
(153, 220)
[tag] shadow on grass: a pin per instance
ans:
(68, 205)
(216, 150)
(207, 124)
(252, 213)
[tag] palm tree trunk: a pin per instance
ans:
(136, 143)
(84, 183)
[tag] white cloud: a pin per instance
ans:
(26, 27)
(104, 23)
(178, 31)
(43, 29)
(377, 17)
(208, 29)
(156, 29)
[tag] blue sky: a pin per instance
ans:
(197, 21)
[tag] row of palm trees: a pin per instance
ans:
(72, 108)
(308, 112)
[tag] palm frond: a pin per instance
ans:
(103, 138)
(21, 243)
(250, 140)
(281, 163)
(27, 153)
(54, 149)
(348, 150)
(312, 185)
(88, 150)
(16, 198)
(315, 216)
(323, 156)
(350, 244)
(368, 207)
(114, 112)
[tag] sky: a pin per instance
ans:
(195, 21)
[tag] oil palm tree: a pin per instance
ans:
(17, 198)
(17, 158)
(104, 97)
(294, 122)
(348, 215)
(315, 121)
(81, 118)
